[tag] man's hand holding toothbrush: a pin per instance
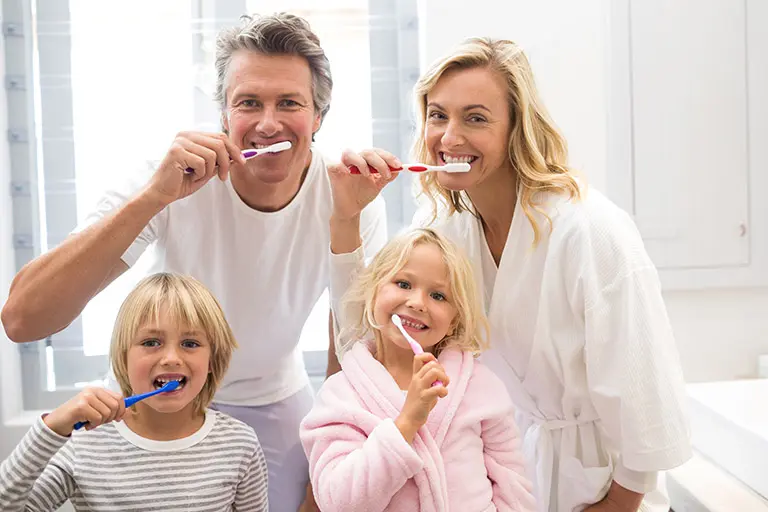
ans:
(191, 161)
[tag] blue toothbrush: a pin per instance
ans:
(170, 386)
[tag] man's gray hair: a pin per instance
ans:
(276, 34)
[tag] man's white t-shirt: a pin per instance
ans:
(267, 270)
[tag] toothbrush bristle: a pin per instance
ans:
(457, 167)
(280, 146)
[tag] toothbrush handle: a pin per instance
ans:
(418, 350)
(247, 153)
(353, 169)
(128, 402)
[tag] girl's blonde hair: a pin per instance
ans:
(191, 305)
(537, 151)
(469, 329)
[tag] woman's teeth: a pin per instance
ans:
(458, 159)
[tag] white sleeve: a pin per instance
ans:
(634, 374)
(113, 199)
(344, 270)
(373, 227)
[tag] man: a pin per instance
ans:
(257, 236)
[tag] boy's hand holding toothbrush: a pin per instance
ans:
(96, 406)
(422, 395)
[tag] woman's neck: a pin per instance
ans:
(159, 426)
(494, 200)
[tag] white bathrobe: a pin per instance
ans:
(581, 337)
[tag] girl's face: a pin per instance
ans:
(467, 120)
(420, 294)
(165, 351)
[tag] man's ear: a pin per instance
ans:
(316, 125)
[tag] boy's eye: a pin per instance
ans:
(190, 344)
(405, 285)
(150, 343)
(438, 296)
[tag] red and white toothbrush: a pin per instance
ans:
(457, 167)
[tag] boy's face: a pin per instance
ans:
(165, 351)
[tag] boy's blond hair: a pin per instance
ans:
(469, 329)
(192, 305)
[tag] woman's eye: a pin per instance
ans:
(435, 115)
(438, 296)
(405, 285)
(476, 119)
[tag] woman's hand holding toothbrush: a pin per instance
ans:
(422, 395)
(96, 406)
(206, 154)
(351, 194)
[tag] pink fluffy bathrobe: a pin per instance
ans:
(466, 458)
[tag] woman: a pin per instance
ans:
(579, 330)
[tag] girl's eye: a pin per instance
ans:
(150, 343)
(190, 344)
(405, 285)
(438, 296)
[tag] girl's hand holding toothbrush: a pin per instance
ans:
(422, 395)
(205, 154)
(96, 406)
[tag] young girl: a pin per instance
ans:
(383, 435)
(167, 452)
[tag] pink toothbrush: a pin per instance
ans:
(458, 167)
(412, 342)
(250, 153)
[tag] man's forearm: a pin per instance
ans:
(51, 290)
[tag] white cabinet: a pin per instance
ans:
(688, 133)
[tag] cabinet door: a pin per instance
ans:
(690, 116)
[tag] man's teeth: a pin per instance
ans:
(414, 325)
(458, 159)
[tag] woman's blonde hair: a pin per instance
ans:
(191, 305)
(469, 329)
(537, 151)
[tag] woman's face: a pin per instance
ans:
(468, 121)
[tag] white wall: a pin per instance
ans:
(720, 333)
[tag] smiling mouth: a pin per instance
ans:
(413, 324)
(162, 381)
(456, 160)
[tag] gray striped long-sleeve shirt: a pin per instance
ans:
(221, 467)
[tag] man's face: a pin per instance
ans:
(269, 100)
